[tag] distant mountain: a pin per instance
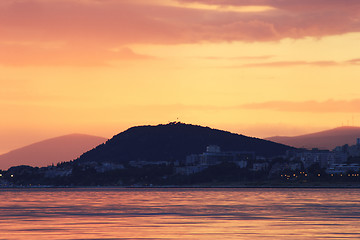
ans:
(54, 150)
(328, 139)
(175, 141)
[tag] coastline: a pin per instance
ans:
(203, 186)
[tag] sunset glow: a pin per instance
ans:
(99, 67)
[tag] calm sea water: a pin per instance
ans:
(180, 214)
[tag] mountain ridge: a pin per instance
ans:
(174, 141)
(50, 151)
(327, 139)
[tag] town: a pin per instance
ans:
(342, 161)
(212, 167)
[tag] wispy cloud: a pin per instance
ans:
(292, 63)
(355, 61)
(299, 5)
(296, 63)
(238, 58)
(329, 106)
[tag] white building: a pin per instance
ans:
(198, 162)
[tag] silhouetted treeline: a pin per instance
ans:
(74, 174)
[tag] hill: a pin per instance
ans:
(54, 150)
(328, 139)
(175, 141)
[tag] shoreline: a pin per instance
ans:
(243, 186)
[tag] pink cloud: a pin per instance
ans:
(102, 25)
(355, 61)
(299, 5)
(123, 22)
(106, 22)
(297, 18)
(329, 106)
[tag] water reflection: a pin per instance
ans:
(180, 214)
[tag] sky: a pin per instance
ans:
(254, 67)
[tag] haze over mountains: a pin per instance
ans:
(50, 151)
(328, 139)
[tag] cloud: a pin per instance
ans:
(298, 18)
(296, 63)
(126, 22)
(292, 63)
(329, 106)
(355, 61)
(299, 5)
(238, 58)
(98, 26)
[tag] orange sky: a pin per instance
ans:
(259, 68)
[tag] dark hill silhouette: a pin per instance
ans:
(175, 141)
(328, 139)
(54, 150)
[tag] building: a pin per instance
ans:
(141, 164)
(195, 163)
(188, 170)
(324, 158)
(260, 166)
(343, 168)
(214, 156)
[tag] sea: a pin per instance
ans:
(180, 213)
